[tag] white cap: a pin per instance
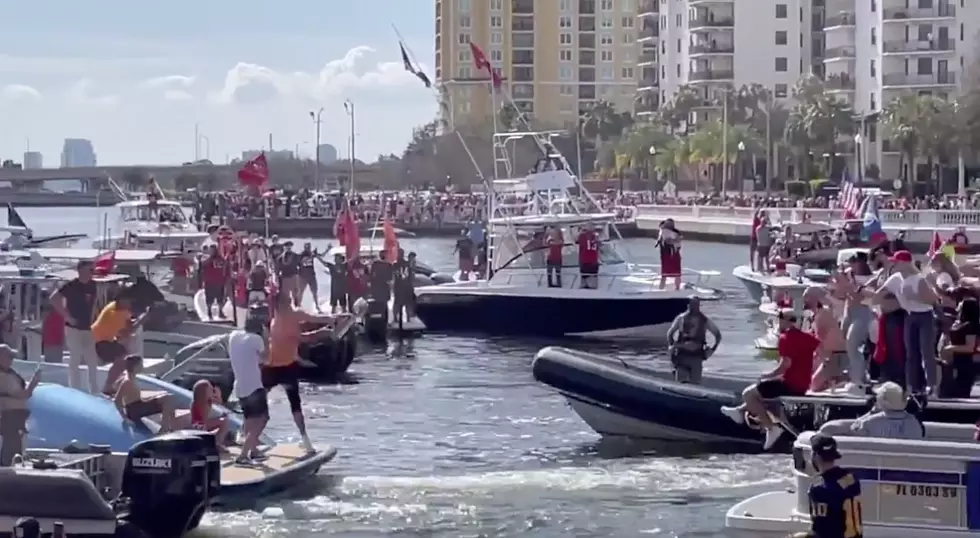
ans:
(890, 397)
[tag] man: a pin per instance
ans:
(380, 278)
(307, 275)
(763, 244)
(283, 367)
(889, 419)
(687, 338)
(111, 331)
(246, 352)
(403, 287)
(75, 302)
(131, 404)
(588, 257)
(464, 247)
(28, 527)
(288, 266)
(790, 378)
(835, 498)
(338, 283)
(555, 242)
(214, 278)
(14, 393)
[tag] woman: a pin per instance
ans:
(204, 396)
(131, 403)
(958, 370)
(857, 319)
(670, 253)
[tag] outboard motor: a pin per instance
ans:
(169, 482)
(376, 321)
(259, 311)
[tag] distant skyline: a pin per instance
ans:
(136, 79)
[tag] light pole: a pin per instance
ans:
(740, 167)
(857, 157)
(653, 161)
(316, 165)
(207, 147)
(349, 107)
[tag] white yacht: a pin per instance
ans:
(152, 224)
(909, 489)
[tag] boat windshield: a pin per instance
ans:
(164, 213)
(535, 257)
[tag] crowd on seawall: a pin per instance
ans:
(781, 201)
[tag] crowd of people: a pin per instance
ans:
(785, 201)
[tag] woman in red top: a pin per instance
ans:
(555, 242)
(206, 395)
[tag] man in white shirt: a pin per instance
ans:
(246, 351)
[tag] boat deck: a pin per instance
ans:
(281, 457)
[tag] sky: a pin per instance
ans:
(136, 78)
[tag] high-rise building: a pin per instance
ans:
(77, 152)
(556, 57)
(33, 160)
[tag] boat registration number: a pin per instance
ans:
(923, 490)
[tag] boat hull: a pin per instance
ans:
(755, 288)
(506, 314)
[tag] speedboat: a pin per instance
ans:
(620, 399)
(22, 237)
(516, 300)
(425, 275)
(761, 285)
(152, 224)
(909, 488)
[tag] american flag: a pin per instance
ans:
(850, 196)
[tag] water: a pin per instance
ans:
(451, 437)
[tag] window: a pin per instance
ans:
(564, 72)
(566, 89)
(627, 57)
(871, 100)
(781, 11)
(782, 37)
(605, 39)
(565, 55)
(626, 22)
(627, 73)
(663, 22)
(565, 21)
(606, 22)
(606, 56)
(496, 55)
(565, 38)
(626, 5)
(628, 38)
(464, 21)
(607, 73)
(924, 66)
(874, 35)
(606, 5)
(782, 90)
(464, 72)
(496, 38)
(873, 70)
(782, 65)
(565, 5)
(678, 21)
(496, 21)
(464, 55)
(496, 5)
(464, 39)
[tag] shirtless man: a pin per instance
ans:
(283, 366)
(133, 406)
(832, 353)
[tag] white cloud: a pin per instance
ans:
(20, 92)
(177, 95)
(174, 87)
(250, 83)
(82, 93)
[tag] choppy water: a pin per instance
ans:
(451, 437)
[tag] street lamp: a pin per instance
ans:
(316, 168)
(858, 146)
(740, 167)
(207, 146)
(349, 108)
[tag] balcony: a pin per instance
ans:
(650, 8)
(647, 59)
(840, 82)
(696, 3)
(711, 75)
(649, 33)
(837, 54)
(902, 14)
(919, 47)
(705, 49)
(841, 20)
(522, 7)
(645, 108)
(707, 23)
(901, 80)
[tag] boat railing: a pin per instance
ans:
(912, 218)
(628, 284)
(187, 357)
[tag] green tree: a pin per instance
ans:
(816, 123)
(508, 117)
(920, 125)
(676, 113)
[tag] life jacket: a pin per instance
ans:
(694, 328)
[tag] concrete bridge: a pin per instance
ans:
(161, 172)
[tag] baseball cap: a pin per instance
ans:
(27, 527)
(788, 314)
(902, 256)
(825, 447)
(890, 396)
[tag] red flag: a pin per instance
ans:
(340, 222)
(483, 64)
(391, 241)
(104, 263)
(254, 173)
(936, 244)
(352, 237)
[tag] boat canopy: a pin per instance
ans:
(561, 220)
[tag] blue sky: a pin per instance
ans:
(135, 77)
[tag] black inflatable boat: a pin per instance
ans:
(617, 399)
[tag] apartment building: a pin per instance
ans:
(876, 50)
(556, 56)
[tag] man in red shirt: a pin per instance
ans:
(555, 241)
(214, 277)
(790, 378)
(588, 257)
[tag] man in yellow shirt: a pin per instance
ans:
(110, 332)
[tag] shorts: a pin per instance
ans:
(255, 405)
(763, 250)
(144, 408)
(771, 389)
(109, 352)
(466, 263)
(288, 378)
(589, 269)
(214, 293)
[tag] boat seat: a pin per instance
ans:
(935, 431)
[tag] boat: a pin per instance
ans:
(21, 235)
(151, 224)
(425, 275)
(926, 488)
(65, 418)
(620, 399)
(158, 488)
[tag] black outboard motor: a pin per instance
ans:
(169, 481)
(376, 321)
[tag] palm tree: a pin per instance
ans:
(676, 113)
(920, 125)
(633, 149)
(816, 122)
(508, 117)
